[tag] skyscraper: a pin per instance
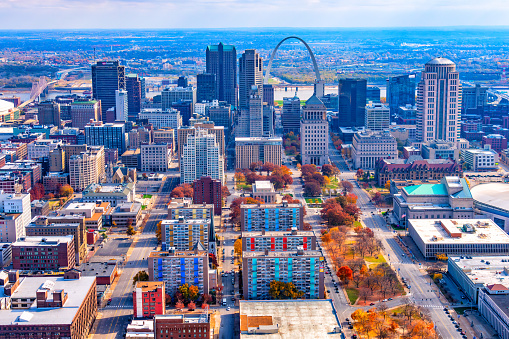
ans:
(201, 156)
(222, 61)
(314, 133)
(133, 87)
(352, 100)
(255, 112)
(439, 102)
(291, 115)
(268, 94)
(182, 82)
(250, 74)
(121, 105)
(107, 77)
(48, 113)
(206, 87)
(111, 136)
(400, 92)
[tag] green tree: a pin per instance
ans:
(140, 276)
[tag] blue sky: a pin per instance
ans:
(61, 14)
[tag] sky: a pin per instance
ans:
(111, 14)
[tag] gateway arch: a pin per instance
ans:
(315, 65)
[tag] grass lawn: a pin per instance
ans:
(147, 196)
(314, 200)
(143, 207)
(461, 310)
(380, 259)
(357, 224)
(353, 295)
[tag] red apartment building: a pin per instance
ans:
(208, 190)
(149, 299)
(183, 326)
(43, 253)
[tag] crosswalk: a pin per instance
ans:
(431, 306)
(119, 306)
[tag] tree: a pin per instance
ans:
(280, 290)
(225, 192)
(140, 276)
(179, 305)
(188, 190)
(441, 256)
(360, 173)
(364, 294)
(377, 198)
(347, 185)
(308, 170)
(388, 185)
(268, 167)
(177, 192)
(335, 171)
(65, 191)
(237, 247)
(327, 170)
(239, 177)
(437, 276)
(345, 274)
(130, 230)
(206, 298)
(312, 189)
(193, 292)
(191, 306)
(158, 231)
(37, 192)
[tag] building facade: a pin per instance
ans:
(43, 253)
(278, 241)
(314, 133)
(352, 102)
(206, 87)
(249, 150)
(169, 118)
(369, 147)
(155, 157)
(400, 92)
(207, 190)
(478, 160)
(107, 77)
(149, 299)
(110, 135)
(84, 111)
(184, 234)
(250, 75)
(174, 324)
(48, 113)
(221, 60)
(271, 217)
(377, 116)
(290, 117)
(87, 168)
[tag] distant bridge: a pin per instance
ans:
(315, 65)
(37, 89)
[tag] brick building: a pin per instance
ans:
(187, 325)
(149, 299)
(43, 253)
(208, 190)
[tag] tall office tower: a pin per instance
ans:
(201, 156)
(314, 133)
(121, 105)
(352, 100)
(171, 95)
(84, 111)
(182, 82)
(319, 88)
(268, 120)
(221, 116)
(206, 87)
(439, 102)
(48, 113)
(107, 77)
(377, 117)
(268, 94)
(291, 115)
(250, 74)
(222, 61)
(110, 135)
(473, 100)
(400, 92)
(143, 88)
(185, 108)
(255, 113)
(133, 87)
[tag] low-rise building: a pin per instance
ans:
(128, 213)
(264, 190)
(40, 207)
(54, 180)
(93, 215)
(115, 194)
(43, 253)
(450, 199)
(5, 254)
(176, 268)
(131, 158)
(377, 116)
(478, 160)
(59, 307)
(155, 157)
(149, 299)
(278, 241)
(184, 234)
(490, 199)
(104, 272)
(42, 148)
(174, 324)
(440, 149)
(271, 217)
(494, 307)
(458, 237)
(369, 147)
(303, 268)
(497, 142)
(140, 329)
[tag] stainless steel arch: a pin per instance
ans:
(315, 65)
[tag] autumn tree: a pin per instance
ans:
(179, 305)
(377, 198)
(327, 170)
(345, 274)
(158, 231)
(237, 247)
(65, 191)
(191, 306)
(177, 192)
(364, 294)
(387, 185)
(225, 192)
(130, 230)
(140, 276)
(312, 189)
(359, 173)
(280, 290)
(347, 185)
(239, 177)
(37, 192)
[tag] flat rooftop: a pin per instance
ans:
(270, 206)
(81, 206)
(149, 285)
(286, 254)
(262, 185)
(479, 271)
(97, 269)
(186, 221)
(295, 319)
(426, 189)
(433, 231)
(76, 290)
(164, 254)
(42, 241)
(186, 318)
(278, 234)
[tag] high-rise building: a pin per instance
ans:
(314, 133)
(199, 210)
(268, 94)
(87, 168)
(250, 75)
(84, 111)
(48, 113)
(16, 215)
(221, 116)
(121, 105)
(184, 132)
(278, 241)
(201, 156)
(185, 234)
(255, 113)
(473, 100)
(369, 147)
(249, 150)
(171, 95)
(208, 191)
(109, 135)
(439, 102)
(400, 92)
(352, 100)
(186, 110)
(290, 117)
(377, 117)
(222, 61)
(143, 88)
(155, 158)
(133, 87)
(182, 82)
(268, 120)
(373, 94)
(169, 118)
(107, 77)
(206, 87)
(271, 217)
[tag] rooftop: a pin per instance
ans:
(485, 270)
(186, 318)
(426, 189)
(97, 269)
(43, 241)
(492, 194)
(149, 285)
(459, 231)
(440, 61)
(186, 221)
(288, 254)
(278, 234)
(294, 319)
(76, 291)
(166, 254)
(284, 205)
(263, 185)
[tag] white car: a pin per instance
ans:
(228, 308)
